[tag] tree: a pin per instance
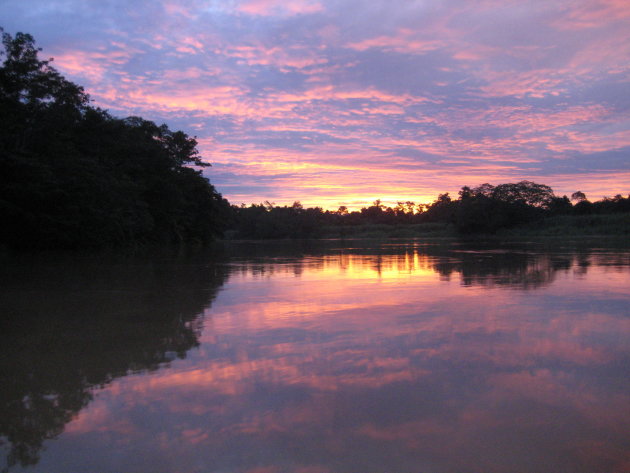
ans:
(373, 213)
(560, 205)
(484, 189)
(525, 192)
(442, 209)
(465, 193)
(72, 176)
(578, 196)
(486, 208)
(35, 100)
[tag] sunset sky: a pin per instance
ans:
(343, 102)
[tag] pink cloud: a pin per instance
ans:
(535, 83)
(191, 73)
(405, 41)
(608, 54)
(593, 14)
(281, 57)
(92, 65)
(174, 8)
(273, 7)
(186, 50)
(332, 116)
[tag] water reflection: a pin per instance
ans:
(397, 358)
(69, 325)
(513, 266)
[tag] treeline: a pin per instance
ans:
(484, 209)
(73, 176)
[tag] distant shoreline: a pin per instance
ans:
(597, 225)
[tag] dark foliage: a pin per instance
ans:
(266, 221)
(484, 209)
(73, 176)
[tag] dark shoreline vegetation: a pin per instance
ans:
(72, 176)
(489, 218)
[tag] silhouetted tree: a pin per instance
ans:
(443, 209)
(579, 196)
(560, 205)
(72, 176)
(486, 208)
(267, 221)
(524, 192)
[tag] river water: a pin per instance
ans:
(364, 357)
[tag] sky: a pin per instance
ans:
(342, 102)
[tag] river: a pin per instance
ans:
(316, 357)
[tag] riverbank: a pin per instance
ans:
(605, 225)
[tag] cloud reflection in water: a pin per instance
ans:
(397, 359)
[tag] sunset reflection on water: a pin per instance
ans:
(399, 359)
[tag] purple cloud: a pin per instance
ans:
(343, 102)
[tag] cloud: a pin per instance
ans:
(404, 42)
(593, 14)
(279, 7)
(328, 100)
